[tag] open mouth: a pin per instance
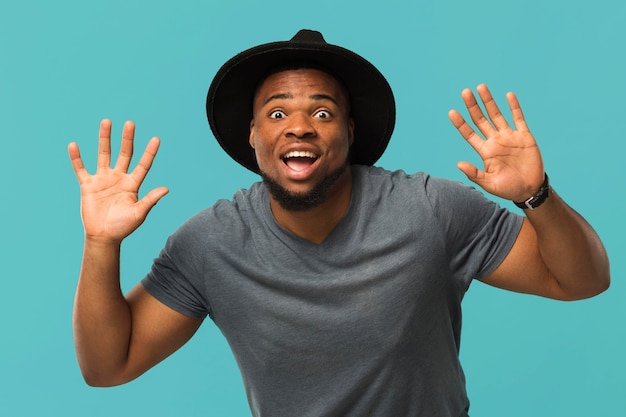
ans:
(299, 160)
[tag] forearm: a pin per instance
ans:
(570, 249)
(102, 319)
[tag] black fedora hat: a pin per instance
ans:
(229, 101)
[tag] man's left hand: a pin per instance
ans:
(513, 167)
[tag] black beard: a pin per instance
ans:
(295, 201)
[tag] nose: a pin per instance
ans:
(300, 126)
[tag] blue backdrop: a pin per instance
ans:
(65, 65)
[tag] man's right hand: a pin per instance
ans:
(110, 207)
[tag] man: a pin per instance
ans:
(337, 284)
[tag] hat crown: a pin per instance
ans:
(308, 36)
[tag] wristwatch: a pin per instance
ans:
(537, 199)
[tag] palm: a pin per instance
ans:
(110, 206)
(513, 168)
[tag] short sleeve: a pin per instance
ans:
(176, 276)
(478, 232)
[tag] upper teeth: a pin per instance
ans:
(300, 154)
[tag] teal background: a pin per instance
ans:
(65, 65)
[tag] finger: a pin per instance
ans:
(516, 111)
(473, 138)
(496, 116)
(104, 144)
(77, 162)
(126, 150)
(476, 113)
(142, 168)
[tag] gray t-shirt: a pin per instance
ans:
(368, 322)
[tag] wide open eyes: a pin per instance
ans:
(277, 114)
(322, 114)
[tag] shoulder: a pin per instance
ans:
(244, 201)
(419, 183)
(377, 177)
(448, 200)
(226, 218)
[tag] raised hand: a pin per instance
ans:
(513, 167)
(110, 207)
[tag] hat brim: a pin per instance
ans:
(230, 97)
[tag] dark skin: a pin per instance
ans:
(306, 112)
(557, 254)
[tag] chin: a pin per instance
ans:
(303, 200)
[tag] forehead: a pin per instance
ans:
(301, 81)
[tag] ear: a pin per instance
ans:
(351, 130)
(251, 138)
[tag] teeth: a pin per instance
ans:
(299, 154)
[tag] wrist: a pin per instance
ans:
(538, 198)
(99, 241)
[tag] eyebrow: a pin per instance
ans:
(285, 96)
(323, 97)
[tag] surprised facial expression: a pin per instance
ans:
(301, 130)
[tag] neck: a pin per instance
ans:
(317, 223)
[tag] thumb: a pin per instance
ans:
(151, 199)
(470, 171)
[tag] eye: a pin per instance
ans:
(322, 114)
(277, 114)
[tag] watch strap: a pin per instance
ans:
(538, 198)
